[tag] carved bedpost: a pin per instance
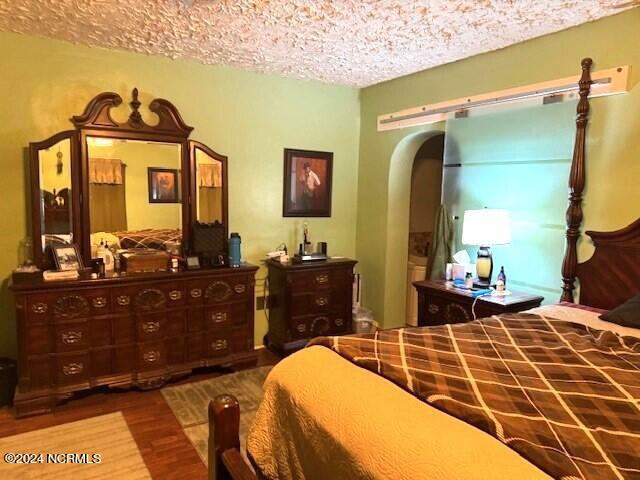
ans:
(576, 185)
(224, 432)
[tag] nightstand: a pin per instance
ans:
(440, 303)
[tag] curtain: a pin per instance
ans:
(209, 204)
(107, 195)
(210, 174)
(441, 246)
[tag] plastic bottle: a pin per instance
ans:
(234, 249)
(108, 258)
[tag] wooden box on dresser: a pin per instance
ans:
(131, 330)
(307, 300)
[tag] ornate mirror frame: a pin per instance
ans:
(96, 121)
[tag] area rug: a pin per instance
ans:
(107, 436)
(190, 403)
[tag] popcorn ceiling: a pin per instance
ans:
(346, 42)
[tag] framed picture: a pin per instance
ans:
(67, 257)
(307, 183)
(164, 185)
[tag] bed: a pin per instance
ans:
(350, 422)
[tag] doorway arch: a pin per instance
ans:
(397, 235)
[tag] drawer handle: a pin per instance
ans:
(123, 300)
(219, 317)
(175, 295)
(301, 327)
(151, 356)
(151, 326)
(322, 301)
(433, 308)
(39, 308)
(219, 345)
(322, 278)
(339, 322)
(99, 302)
(71, 337)
(240, 288)
(196, 292)
(73, 368)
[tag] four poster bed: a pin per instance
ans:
(549, 393)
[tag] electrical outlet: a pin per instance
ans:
(260, 303)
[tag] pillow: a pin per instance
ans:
(627, 314)
(586, 308)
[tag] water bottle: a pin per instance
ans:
(234, 249)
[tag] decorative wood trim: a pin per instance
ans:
(71, 306)
(576, 185)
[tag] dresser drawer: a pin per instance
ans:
(241, 339)
(301, 282)
(218, 343)
(227, 290)
(71, 368)
(308, 326)
(72, 336)
(37, 339)
(224, 315)
(152, 355)
(150, 299)
(319, 301)
(150, 327)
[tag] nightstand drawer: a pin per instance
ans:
(439, 311)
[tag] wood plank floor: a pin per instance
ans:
(165, 449)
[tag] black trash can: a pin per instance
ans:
(8, 380)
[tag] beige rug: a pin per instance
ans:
(107, 436)
(190, 402)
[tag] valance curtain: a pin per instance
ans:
(107, 195)
(105, 171)
(210, 175)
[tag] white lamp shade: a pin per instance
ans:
(486, 227)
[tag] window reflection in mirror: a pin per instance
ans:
(209, 188)
(55, 194)
(135, 198)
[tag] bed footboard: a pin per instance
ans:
(225, 460)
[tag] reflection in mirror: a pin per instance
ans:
(55, 194)
(209, 186)
(134, 194)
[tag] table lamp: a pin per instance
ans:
(485, 228)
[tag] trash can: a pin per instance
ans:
(363, 320)
(8, 380)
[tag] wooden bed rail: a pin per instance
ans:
(224, 457)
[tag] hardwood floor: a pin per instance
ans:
(165, 449)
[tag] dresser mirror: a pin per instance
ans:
(130, 184)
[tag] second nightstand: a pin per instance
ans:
(440, 303)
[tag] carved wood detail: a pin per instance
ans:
(576, 185)
(150, 299)
(218, 291)
(71, 306)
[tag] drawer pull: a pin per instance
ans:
(150, 326)
(240, 288)
(301, 327)
(151, 356)
(175, 295)
(219, 344)
(195, 293)
(322, 301)
(123, 300)
(39, 308)
(71, 337)
(339, 322)
(73, 368)
(433, 308)
(219, 317)
(99, 302)
(322, 278)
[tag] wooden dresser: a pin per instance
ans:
(307, 300)
(134, 330)
(440, 303)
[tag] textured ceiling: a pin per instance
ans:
(349, 42)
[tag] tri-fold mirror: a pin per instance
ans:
(130, 184)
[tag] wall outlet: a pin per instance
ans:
(260, 303)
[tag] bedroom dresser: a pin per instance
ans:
(132, 330)
(307, 300)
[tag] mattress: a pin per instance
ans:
(351, 423)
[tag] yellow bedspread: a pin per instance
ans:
(323, 417)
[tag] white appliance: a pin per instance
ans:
(416, 271)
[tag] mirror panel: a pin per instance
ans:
(209, 188)
(54, 172)
(135, 197)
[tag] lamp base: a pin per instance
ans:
(484, 267)
(477, 283)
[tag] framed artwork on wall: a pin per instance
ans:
(307, 183)
(164, 185)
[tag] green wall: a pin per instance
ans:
(249, 117)
(613, 156)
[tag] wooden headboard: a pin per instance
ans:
(612, 275)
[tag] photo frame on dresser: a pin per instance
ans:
(67, 257)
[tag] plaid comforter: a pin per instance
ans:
(564, 396)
